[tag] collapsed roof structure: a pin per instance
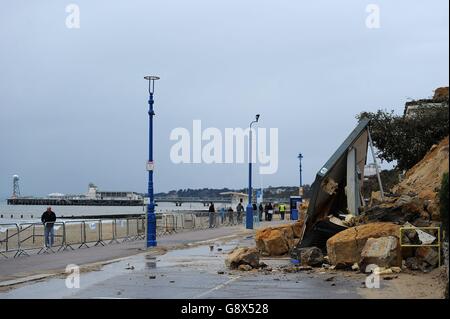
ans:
(337, 187)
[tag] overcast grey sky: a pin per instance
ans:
(73, 102)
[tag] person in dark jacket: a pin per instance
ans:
(270, 212)
(240, 211)
(260, 209)
(48, 218)
(230, 216)
(212, 215)
(266, 212)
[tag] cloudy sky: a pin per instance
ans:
(73, 102)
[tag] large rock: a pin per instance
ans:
(433, 209)
(428, 254)
(278, 240)
(345, 248)
(243, 256)
(311, 256)
(415, 206)
(297, 229)
(412, 263)
(441, 94)
(383, 252)
(276, 243)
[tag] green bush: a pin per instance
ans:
(443, 201)
(407, 139)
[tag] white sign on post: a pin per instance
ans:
(150, 166)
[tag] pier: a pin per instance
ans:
(108, 202)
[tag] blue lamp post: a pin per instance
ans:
(300, 156)
(249, 211)
(151, 216)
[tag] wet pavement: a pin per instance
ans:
(197, 272)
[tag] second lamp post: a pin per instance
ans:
(151, 216)
(249, 211)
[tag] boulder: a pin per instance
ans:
(345, 247)
(428, 254)
(260, 236)
(415, 206)
(403, 200)
(245, 267)
(243, 256)
(383, 251)
(412, 263)
(297, 229)
(375, 198)
(433, 209)
(310, 256)
(441, 94)
(427, 194)
(276, 241)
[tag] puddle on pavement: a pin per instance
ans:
(56, 287)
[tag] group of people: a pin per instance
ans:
(268, 210)
(233, 217)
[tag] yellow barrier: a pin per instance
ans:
(438, 244)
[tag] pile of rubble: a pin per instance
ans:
(414, 202)
(371, 241)
(415, 199)
(270, 241)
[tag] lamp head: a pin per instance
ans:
(151, 82)
(151, 77)
(257, 117)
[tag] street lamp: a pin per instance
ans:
(151, 216)
(300, 156)
(249, 211)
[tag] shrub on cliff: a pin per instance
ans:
(407, 139)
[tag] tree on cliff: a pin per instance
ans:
(407, 139)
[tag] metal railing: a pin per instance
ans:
(22, 239)
(17, 239)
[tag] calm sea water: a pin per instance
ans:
(26, 213)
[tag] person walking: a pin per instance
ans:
(282, 210)
(260, 210)
(276, 211)
(240, 210)
(266, 212)
(212, 212)
(48, 218)
(230, 216)
(270, 212)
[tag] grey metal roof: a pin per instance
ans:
(333, 166)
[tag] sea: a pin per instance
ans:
(32, 213)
